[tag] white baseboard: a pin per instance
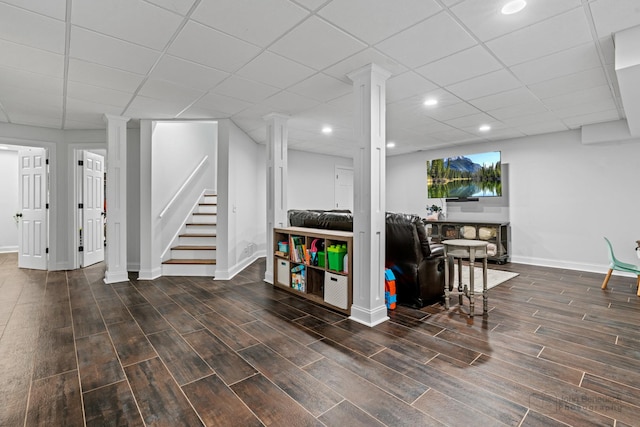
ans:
(8, 249)
(231, 272)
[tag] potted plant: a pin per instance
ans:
(435, 212)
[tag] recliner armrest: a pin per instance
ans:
(437, 250)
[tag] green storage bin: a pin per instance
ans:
(336, 257)
(320, 258)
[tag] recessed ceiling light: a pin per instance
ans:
(513, 6)
(484, 128)
(327, 130)
(391, 144)
(431, 102)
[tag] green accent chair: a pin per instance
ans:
(615, 264)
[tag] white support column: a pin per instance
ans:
(150, 258)
(277, 133)
(116, 254)
(369, 85)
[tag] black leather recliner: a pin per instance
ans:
(417, 265)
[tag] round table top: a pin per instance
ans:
(468, 243)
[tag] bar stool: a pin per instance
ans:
(465, 249)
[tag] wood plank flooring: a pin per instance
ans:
(555, 350)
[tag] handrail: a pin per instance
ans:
(181, 189)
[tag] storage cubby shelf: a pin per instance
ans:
(316, 265)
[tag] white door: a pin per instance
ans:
(344, 188)
(92, 208)
(32, 227)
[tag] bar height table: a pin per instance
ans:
(465, 249)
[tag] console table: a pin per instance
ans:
(465, 249)
(494, 233)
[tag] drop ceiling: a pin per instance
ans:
(65, 63)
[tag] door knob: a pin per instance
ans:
(19, 215)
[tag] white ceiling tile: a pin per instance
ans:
(167, 91)
(275, 70)
(52, 8)
(88, 112)
(407, 85)
(611, 16)
(585, 108)
(321, 87)
(310, 4)
(31, 29)
(608, 50)
(133, 20)
(430, 40)
(187, 73)
(530, 119)
(96, 94)
(591, 118)
(212, 48)
(246, 90)
(518, 110)
(30, 59)
(579, 58)
(177, 6)
(571, 83)
(224, 104)
(251, 125)
(553, 35)
(456, 67)
(483, 17)
(451, 112)
(150, 108)
(594, 94)
(258, 22)
(317, 44)
(495, 82)
(472, 121)
(289, 103)
(99, 75)
(543, 127)
(373, 21)
(504, 99)
(111, 52)
(452, 135)
(12, 79)
(258, 135)
(198, 111)
(359, 60)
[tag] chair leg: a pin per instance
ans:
(606, 279)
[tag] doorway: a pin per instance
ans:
(89, 198)
(33, 204)
(344, 188)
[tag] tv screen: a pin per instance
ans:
(465, 177)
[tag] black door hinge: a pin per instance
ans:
(46, 162)
(80, 162)
(46, 206)
(46, 251)
(80, 248)
(80, 206)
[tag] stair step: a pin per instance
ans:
(198, 235)
(204, 213)
(190, 261)
(207, 204)
(193, 248)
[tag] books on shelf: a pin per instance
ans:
(299, 252)
(298, 277)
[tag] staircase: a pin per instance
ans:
(195, 253)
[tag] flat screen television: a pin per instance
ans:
(466, 177)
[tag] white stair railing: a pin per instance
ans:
(182, 188)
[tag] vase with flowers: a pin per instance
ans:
(434, 212)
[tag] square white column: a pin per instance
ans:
(116, 253)
(369, 85)
(277, 134)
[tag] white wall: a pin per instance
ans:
(563, 197)
(8, 200)
(178, 148)
(247, 198)
(312, 179)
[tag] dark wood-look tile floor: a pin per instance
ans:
(177, 351)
